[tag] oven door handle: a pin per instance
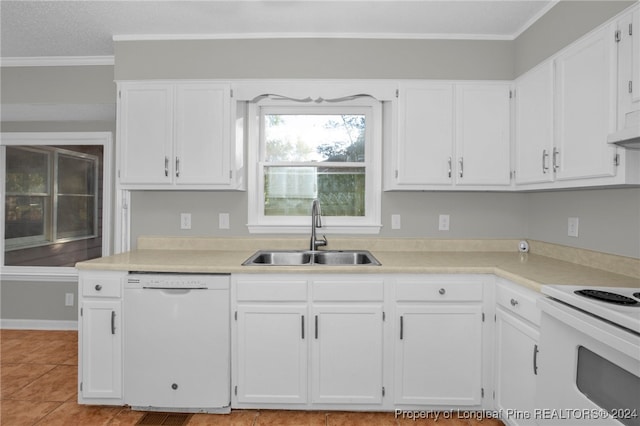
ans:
(535, 360)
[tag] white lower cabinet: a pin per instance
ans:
(100, 338)
(289, 345)
(271, 353)
(516, 349)
(438, 345)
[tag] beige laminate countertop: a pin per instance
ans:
(530, 270)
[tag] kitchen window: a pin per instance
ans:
(51, 196)
(55, 186)
(325, 151)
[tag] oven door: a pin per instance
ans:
(589, 370)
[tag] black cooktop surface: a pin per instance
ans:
(608, 297)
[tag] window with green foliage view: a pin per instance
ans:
(325, 152)
(314, 156)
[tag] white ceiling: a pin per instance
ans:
(84, 28)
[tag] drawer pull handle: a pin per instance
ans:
(442, 291)
(98, 287)
(174, 386)
(514, 302)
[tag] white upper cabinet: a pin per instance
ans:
(483, 134)
(145, 133)
(585, 100)
(534, 125)
(425, 135)
(628, 41)
(176, 135)
(451, 135)
(202, 134)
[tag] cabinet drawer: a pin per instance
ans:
(416, 291)
(101, 286)
(518, 300)
(348, 290)
(270, 291)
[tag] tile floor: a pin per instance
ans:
(38, 387)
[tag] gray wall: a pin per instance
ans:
(566, 22)
(314, 58)
(38, 301)
(609, 219)
(539, 216)
(473, 215)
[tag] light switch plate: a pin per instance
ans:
(443, 222)
(395, 221)
(185, 220)
(572, 226)
(223, 221)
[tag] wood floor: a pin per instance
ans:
(39, 387)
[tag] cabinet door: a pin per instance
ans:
(516, 369)
(439, 355)
(534, 125)
(101, 349)
(202, 134)
(347, 354)
(585, 83)
(482, 134)
(628, 69)
(425, 135)
(145, 130)
(272, 353)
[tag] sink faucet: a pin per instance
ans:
(316, 222)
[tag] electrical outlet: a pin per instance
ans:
(223, 221)
(443, 222)
(572, 226)
(395, 221)
(185, 220)
(68, 299)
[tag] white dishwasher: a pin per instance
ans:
(177, 342)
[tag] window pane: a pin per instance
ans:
(25, 218)
(27, 171)
(76, 216)
(76, 175)
(314, 137)
(289, 191)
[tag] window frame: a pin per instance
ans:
(58, 273)
(370, 223)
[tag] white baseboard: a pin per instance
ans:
(29, 324)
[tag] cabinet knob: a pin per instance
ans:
(174, 386)
(98, 287)
(442, 291)
(514, 302)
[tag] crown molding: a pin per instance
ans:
(56, 61)
(252, 36)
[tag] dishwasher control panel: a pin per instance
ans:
(175, 281)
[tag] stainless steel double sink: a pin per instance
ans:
(307, 257)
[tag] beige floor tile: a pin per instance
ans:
(126, 417)
(14, 377)
(23, 413)
(58, 384)
(290, 418)
(72, 414)
(236, 418)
